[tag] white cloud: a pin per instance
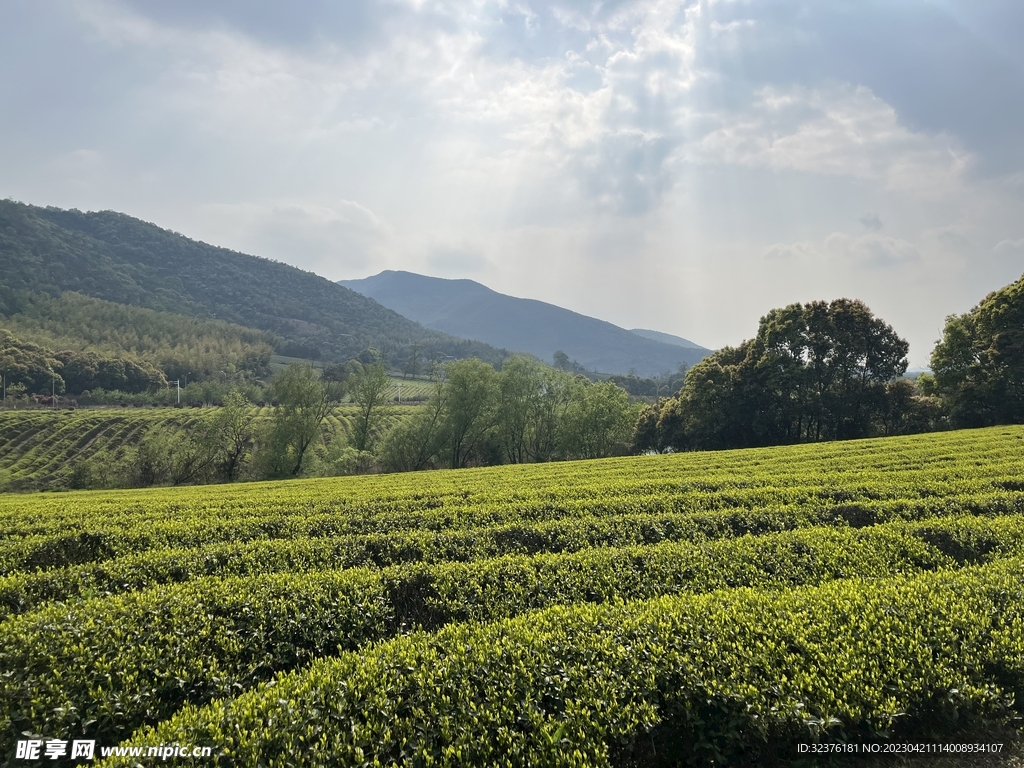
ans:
(839, 130)
(333, 241)
(1009, 246)
(872, 250)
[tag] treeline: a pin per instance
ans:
(28, 369)
(525, 413)
(834, 371)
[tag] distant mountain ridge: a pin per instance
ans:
(667, 338)
(467, 309)
(116, 257)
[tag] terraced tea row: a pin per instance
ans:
(729, 675)
(141, 656)
(57, 551)
(944, 466)
(38, 448)
(25, 590)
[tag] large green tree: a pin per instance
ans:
(814, 371)
(978, 365)
(598, 421)
(233, 431)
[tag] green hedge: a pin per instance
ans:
(738, 675)
(23, 592)
(98, 540)
(105, 666)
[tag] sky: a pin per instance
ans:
(680, 166)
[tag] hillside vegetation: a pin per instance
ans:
(115, 257)
(176, 344)
(655, 610)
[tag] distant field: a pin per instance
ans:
(408, 388)
(651, 610)
(38, 448)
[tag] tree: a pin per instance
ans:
(861, 354)
(368, 385)
(645, 431)
(165, 458)
(32, 366)
(305, 400)
(233, 431)
(599, 421)
(417, 442)
(813, 371)
(89, 370)
(470, 409)
(520, 388)
(711, 410)
(548, 420)
(907, 410)
(413, 361)
(978, 364)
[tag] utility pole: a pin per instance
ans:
(53, 390)
(177, 383)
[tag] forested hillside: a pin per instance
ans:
(113, 256)
(176, 344)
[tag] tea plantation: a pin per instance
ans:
(692, 609)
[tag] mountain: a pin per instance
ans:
(112, 256)
(470, 310)
(667, 338)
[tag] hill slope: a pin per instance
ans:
(667, 338)
(115, 257)
(179, 345)
(468, 309)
